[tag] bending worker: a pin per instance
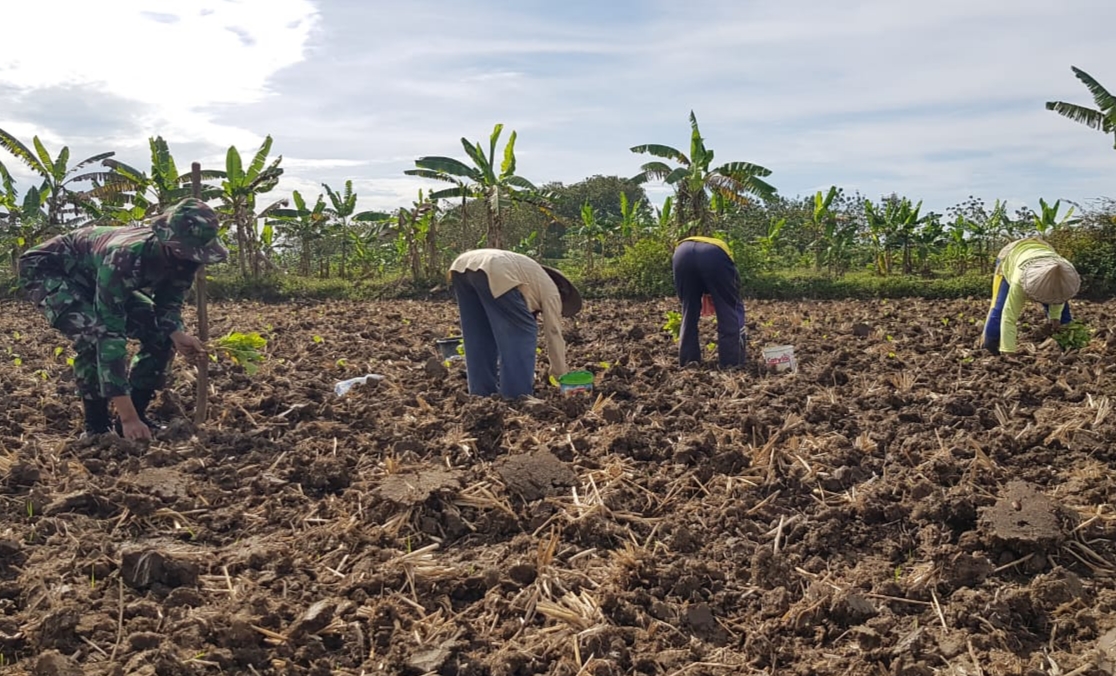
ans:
(499, 295)
(704, 266)
(1027, 269)
(101, 286)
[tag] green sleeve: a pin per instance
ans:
(1009, 319)
(1054, 312)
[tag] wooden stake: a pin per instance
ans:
(202, 403)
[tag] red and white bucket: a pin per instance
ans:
(780, 358)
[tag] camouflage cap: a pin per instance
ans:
(189, 230)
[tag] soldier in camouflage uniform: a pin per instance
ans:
(102, 285)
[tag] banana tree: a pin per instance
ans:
(823, 225)
(592, 232)
(695, 180)
(135, 195)
(1046, 221)
(342, 214)
(483, 181)
(881, 235)
(1101, 118)
(414, 226)
(300, 228)
(770, 241)
(958, 247)
(238, 194)
(25, 221)
(629, 219)
(65, 207)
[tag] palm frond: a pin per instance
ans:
(1089, 117)
(520, 182)
(449, 165)
(22, 152)
(1101, 96)
(738, 170)
(677, 175)
(665, 152)
(460, 191)
(656, 171)
(44, 156)
(258, 161)
(507, 168)
(125, 172)
(91, 160)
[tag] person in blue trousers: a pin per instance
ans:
(704, 266)
(1028, 270)
(499, 295)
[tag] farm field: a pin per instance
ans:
(902, 504)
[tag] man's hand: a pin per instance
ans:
(189, 346)
(130, 422)
(135, 430)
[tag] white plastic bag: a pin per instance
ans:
(341, 388)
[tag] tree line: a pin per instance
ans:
(481, 200)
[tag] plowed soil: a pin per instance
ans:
(902, 504)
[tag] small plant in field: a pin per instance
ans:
(711, 347)
(673, 324)
(1073, 336)
(243, 349)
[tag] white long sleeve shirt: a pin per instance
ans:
(507, 270)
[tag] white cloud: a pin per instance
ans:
(936, 100)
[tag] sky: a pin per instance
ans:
(934, 100)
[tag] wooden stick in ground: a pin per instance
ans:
(202, 404)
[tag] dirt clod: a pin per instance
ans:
(533, 476)
(53, 663)
(415, 486)
(1024, 519)
(144, 568)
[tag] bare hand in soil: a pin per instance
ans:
(136, 430)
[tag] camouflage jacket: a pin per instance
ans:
(111, 263)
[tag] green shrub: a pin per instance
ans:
(644, 270)
(1092, 250)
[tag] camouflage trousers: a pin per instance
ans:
(69, 308)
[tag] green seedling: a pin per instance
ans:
(673, 324)
(58, 352)
(342, 363)
(317, 339)
(243, 349)
(17, 361)
(1073, 336)
(711, 347)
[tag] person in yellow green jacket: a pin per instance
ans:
(1027, 269)
(704, 266)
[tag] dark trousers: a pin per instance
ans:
(1000, 288)
(500, 335)
(701, 268)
